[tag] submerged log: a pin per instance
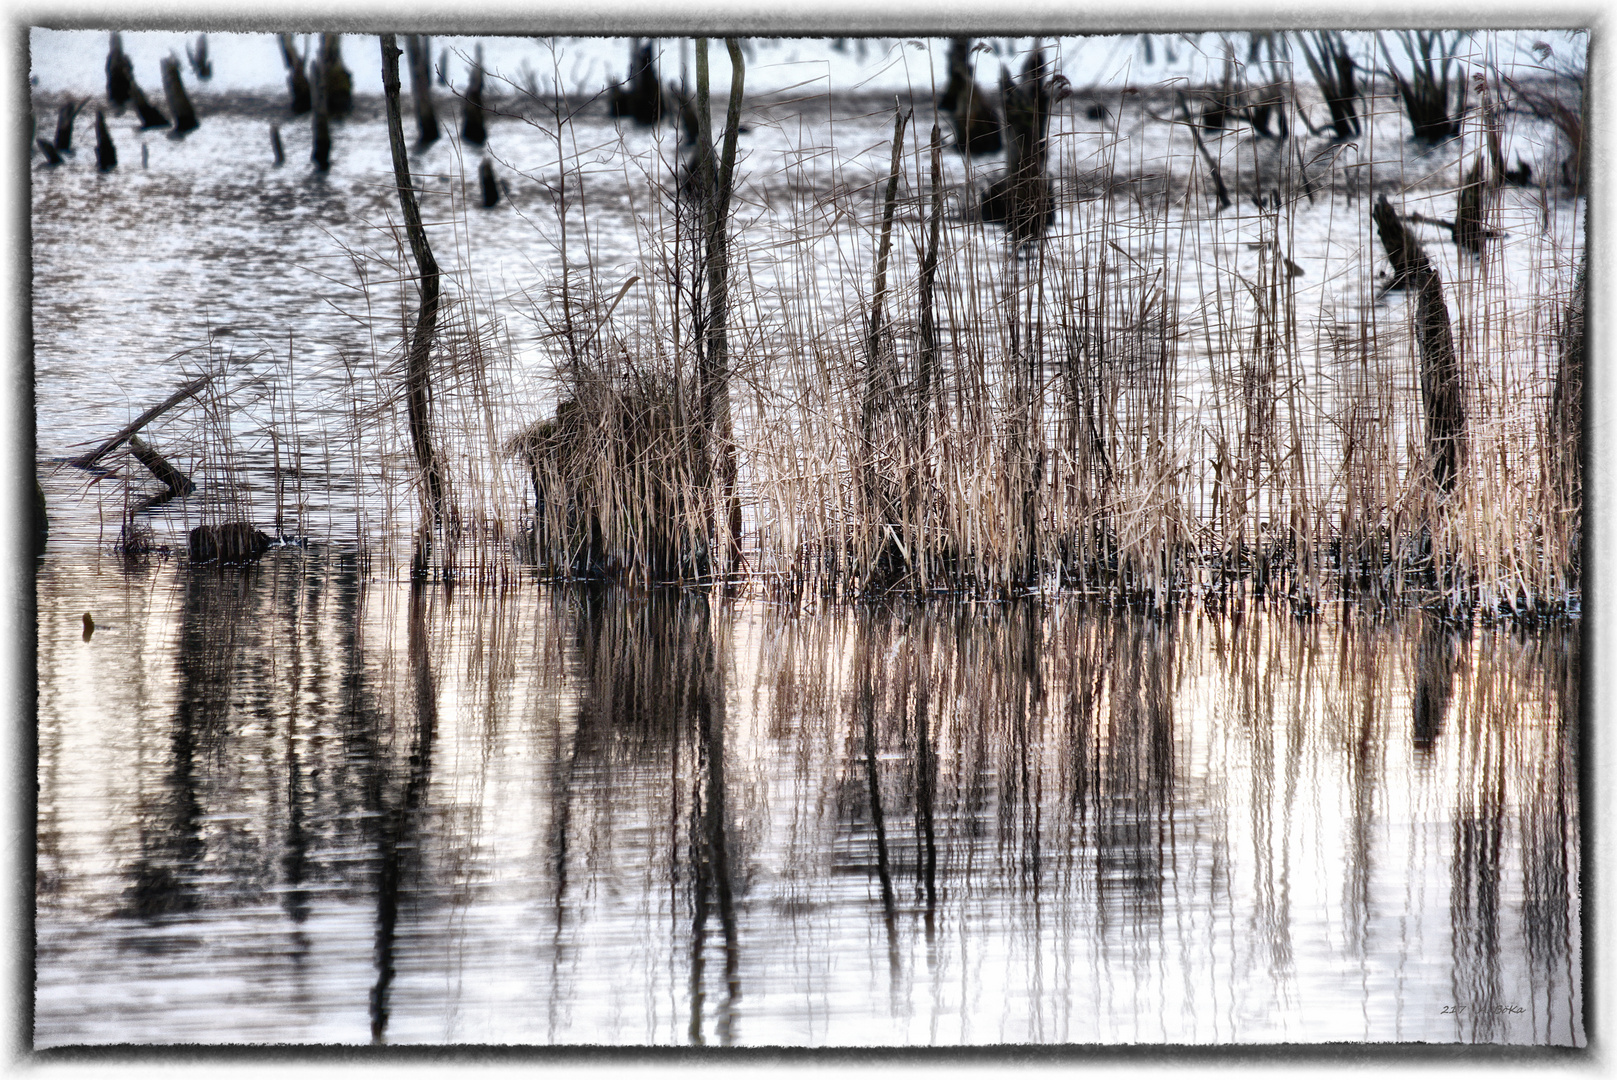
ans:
(297, 78)
(200, 64)
(173, 479)
(419, 51)
(65, 117)
(474, 129)
(106, 154)
(975, 120)
(1442, 394)
(120, 73)
(491, 189)
(640, 97)
(179, 103)
(275, 144)
(232, 542)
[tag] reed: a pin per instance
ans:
(836, 380)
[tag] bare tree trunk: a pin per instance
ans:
(1440, 382)
(418, 387)
(715, 359)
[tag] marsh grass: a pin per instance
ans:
(1154, 404)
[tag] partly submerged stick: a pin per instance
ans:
(418, 389)
(159, 466)
(84, 461)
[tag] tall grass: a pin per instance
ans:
(1154, 402)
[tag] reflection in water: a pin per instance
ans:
(328, 809)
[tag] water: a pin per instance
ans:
(293, 804)
(306, 801)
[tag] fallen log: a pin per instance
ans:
(84, 461)
(170, 477)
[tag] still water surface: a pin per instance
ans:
(291, 804)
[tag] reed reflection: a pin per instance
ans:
(668, 819)
(652, 731)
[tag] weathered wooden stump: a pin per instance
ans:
(640, 97)
(120, 73)
(65, 117)
(975, 120)
(418, 50)
(474, 126)
(297, 78)
(491, 189)
(106, 154)
(200, 64)
(179, 103)
(1440, 377)
(339, 81)
(150, 115)
(275, 145)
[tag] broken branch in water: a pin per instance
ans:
(84, 461)
(173, 479)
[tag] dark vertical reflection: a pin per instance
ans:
(653, 679)
(1550, 838)
(866, 650)
(1134, 780)
(1435, 650)
(216, 618)
(710, 848)
(926, 782)
(398, 840)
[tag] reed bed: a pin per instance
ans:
(1160, 399)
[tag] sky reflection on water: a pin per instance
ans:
(287, 804)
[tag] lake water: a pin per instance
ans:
(294, 804)
(308, 801)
